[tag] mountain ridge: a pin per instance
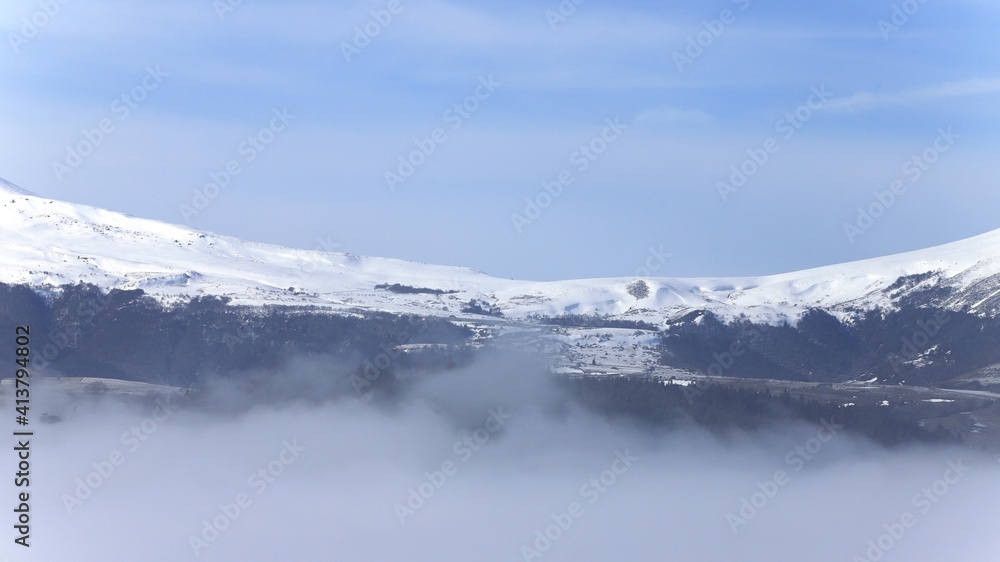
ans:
(48, 243)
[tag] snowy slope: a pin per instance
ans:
(46, 243)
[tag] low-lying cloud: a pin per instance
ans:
(487, 462)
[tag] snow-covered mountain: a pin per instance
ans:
(47, 243)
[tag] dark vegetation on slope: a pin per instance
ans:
(409, 290)
(918, 345)
(593, 321)
(476, 306)
(80, 330)
(722, 409)
(83, 331)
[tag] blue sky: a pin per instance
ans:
(199, 80)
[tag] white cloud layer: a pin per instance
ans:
(862, 101)
(477, 465)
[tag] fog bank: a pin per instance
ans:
(483, 463)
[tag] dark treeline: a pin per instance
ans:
(81, 330)
(822, 348)
(410, 290)
(593, 321)
(721, 409)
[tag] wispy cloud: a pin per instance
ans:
(861, 101)
(666, 114)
